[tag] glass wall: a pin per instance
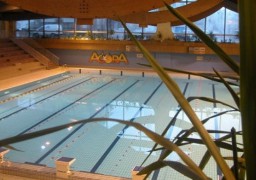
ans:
(221, 26)
(215, 27)
(68, 27)
(36, 28)
(231, 27)
(22, 28)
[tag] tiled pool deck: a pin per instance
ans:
(19, 171)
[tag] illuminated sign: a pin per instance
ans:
(108, 58)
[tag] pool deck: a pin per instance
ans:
(10, 170)
(27, 78)
(31, 77)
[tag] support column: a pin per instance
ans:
(7, 29)
(164, 30)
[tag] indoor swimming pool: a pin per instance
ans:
(107, 147)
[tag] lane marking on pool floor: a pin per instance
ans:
(81, 125)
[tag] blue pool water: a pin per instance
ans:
(106, 147)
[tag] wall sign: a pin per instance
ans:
(108, 58)
(196, 50)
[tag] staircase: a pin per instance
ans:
(45, 57)
(18, 58)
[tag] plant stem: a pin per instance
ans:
(248, 81)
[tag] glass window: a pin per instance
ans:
(22, 28)
(99, 29)
(215, 27)
(68, 27)
(135, 29)
(36, 28)
(83, 32)
(179, 32)
(221, 26)
(52, 28)
(115, 30)
(190, 35)
(148, 32)
(232, 26)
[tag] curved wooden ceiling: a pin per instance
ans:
(132, 12)
(194, 11)
(88, 9)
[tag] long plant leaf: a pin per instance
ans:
(209, 76)
(231, 91)
(181, 168)
(218, 131)
(13, 148)
(220, 144)
(172, 122)
(176, 92)
(247, 29)
(228, 136)
(207, 156)
(205, 159)
(231, 158)
(185, 134)
(211, 100)
(152, 135)
(206, 39)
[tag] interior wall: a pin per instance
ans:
(189, 62)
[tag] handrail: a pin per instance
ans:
(42, 50)
(33, 52)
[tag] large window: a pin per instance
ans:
(68, 27)
(231, 26)
(36, 28)
(22, 28)
(215, 27)
(221, 26)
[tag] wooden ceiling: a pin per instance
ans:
(129, 11)
(87, 8)
(193, 11)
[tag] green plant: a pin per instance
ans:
(248, 79)
(246, 103)
(185, 106)
(174, 89)
(247, 99)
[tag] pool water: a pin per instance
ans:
(107, 147)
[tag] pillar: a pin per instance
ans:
(7, 29)
(164, 30)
